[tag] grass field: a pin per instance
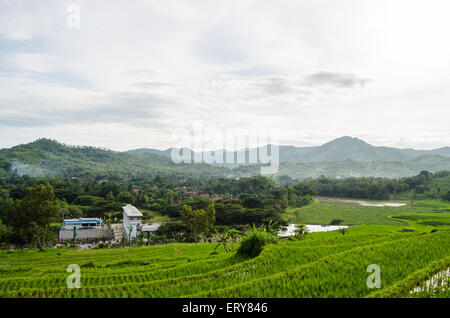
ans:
(425, 218)
(323, 210)
(326, 264)
(155, 216)
(436, 205)
(409, 244)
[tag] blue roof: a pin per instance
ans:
(83, 221)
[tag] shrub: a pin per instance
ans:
(252, 244)
(336, 221)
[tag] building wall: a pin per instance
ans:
(93, 234)
(134, 225)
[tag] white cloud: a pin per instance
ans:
(31, 62)
(314, 69)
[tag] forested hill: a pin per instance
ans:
(45, 157)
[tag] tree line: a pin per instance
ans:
(425, 185)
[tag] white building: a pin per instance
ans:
(132, 221)
(85, 230)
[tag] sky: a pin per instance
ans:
(129, 74)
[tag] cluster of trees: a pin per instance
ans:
(200, 221)
(254, 200)
(29, 220)
(422, 185)
(251, 200)
(78, 198)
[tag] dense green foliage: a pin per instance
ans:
(249, 200)
(199, 221)
(424, 185)
(30, 217)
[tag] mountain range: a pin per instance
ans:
(336, 150)
(342, 157)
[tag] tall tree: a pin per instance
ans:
(35, 213)
(199, 222)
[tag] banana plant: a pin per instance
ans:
(226, 237)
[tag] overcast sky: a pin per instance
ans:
(135, 71)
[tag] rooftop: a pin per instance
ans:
(83, 220)
(150, 227)
(131, 210)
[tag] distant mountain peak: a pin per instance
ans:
(347, 140)
(41, 143)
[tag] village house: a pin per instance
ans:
(132, 222)
(84, 230)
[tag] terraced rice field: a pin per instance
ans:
(350, 211)
(327, 264)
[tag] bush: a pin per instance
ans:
(252, 244)
(336, 221)
(302, 201)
